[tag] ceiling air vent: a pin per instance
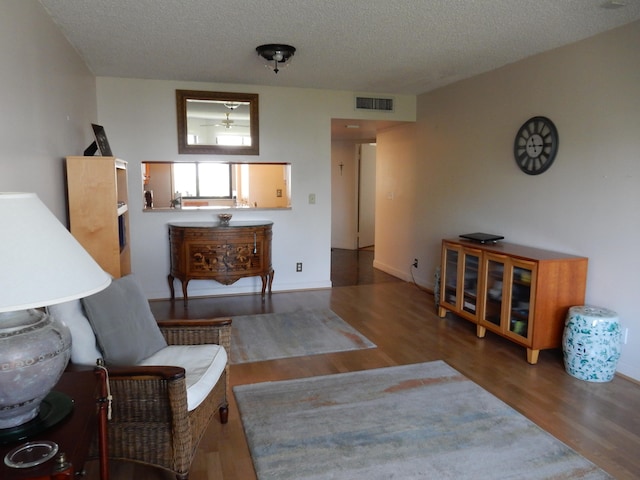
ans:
(377, 104)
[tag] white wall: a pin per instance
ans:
(398, 194)
(463, 178)
(48, 101)
(295, 127)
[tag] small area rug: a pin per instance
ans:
(421, 421)
(271, 336)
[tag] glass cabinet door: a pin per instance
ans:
(522, 280)
(471, 264)
(460, 279)
(493, 303)
(449, 285)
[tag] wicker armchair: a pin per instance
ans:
(150, 422)
(159, 412)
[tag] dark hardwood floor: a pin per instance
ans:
(355, 267)
(600, 421)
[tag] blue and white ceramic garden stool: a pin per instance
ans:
(591, 343)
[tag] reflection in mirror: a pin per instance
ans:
(193, 185)
(217, 122)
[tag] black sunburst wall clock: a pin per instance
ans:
(536, 145)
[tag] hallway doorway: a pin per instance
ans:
(353, 200)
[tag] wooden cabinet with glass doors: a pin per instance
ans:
(521, 293)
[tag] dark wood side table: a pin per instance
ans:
(225, 253)
(87, 388)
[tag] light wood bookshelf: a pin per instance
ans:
(99, 210)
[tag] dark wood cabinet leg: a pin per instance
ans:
(170, 278)
(185, 284)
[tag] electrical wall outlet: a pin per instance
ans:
(299, 267)
(415, 263)
(312, 199)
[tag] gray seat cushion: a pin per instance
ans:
(125, 328)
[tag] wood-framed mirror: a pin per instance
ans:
(223, 123)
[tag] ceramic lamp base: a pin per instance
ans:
(55, 407)
(34, 351)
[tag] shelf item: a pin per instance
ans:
(520, 293)
(31, 454)
(99, 210)
(225, 253)
(482, 237)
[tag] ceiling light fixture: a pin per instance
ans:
(276, 53)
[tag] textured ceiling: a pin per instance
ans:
(403, 46)
(381, 46)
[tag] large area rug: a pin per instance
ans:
(271, 336)
(421, 421)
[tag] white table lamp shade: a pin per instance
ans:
(41, 264)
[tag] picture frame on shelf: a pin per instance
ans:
(99, 144)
